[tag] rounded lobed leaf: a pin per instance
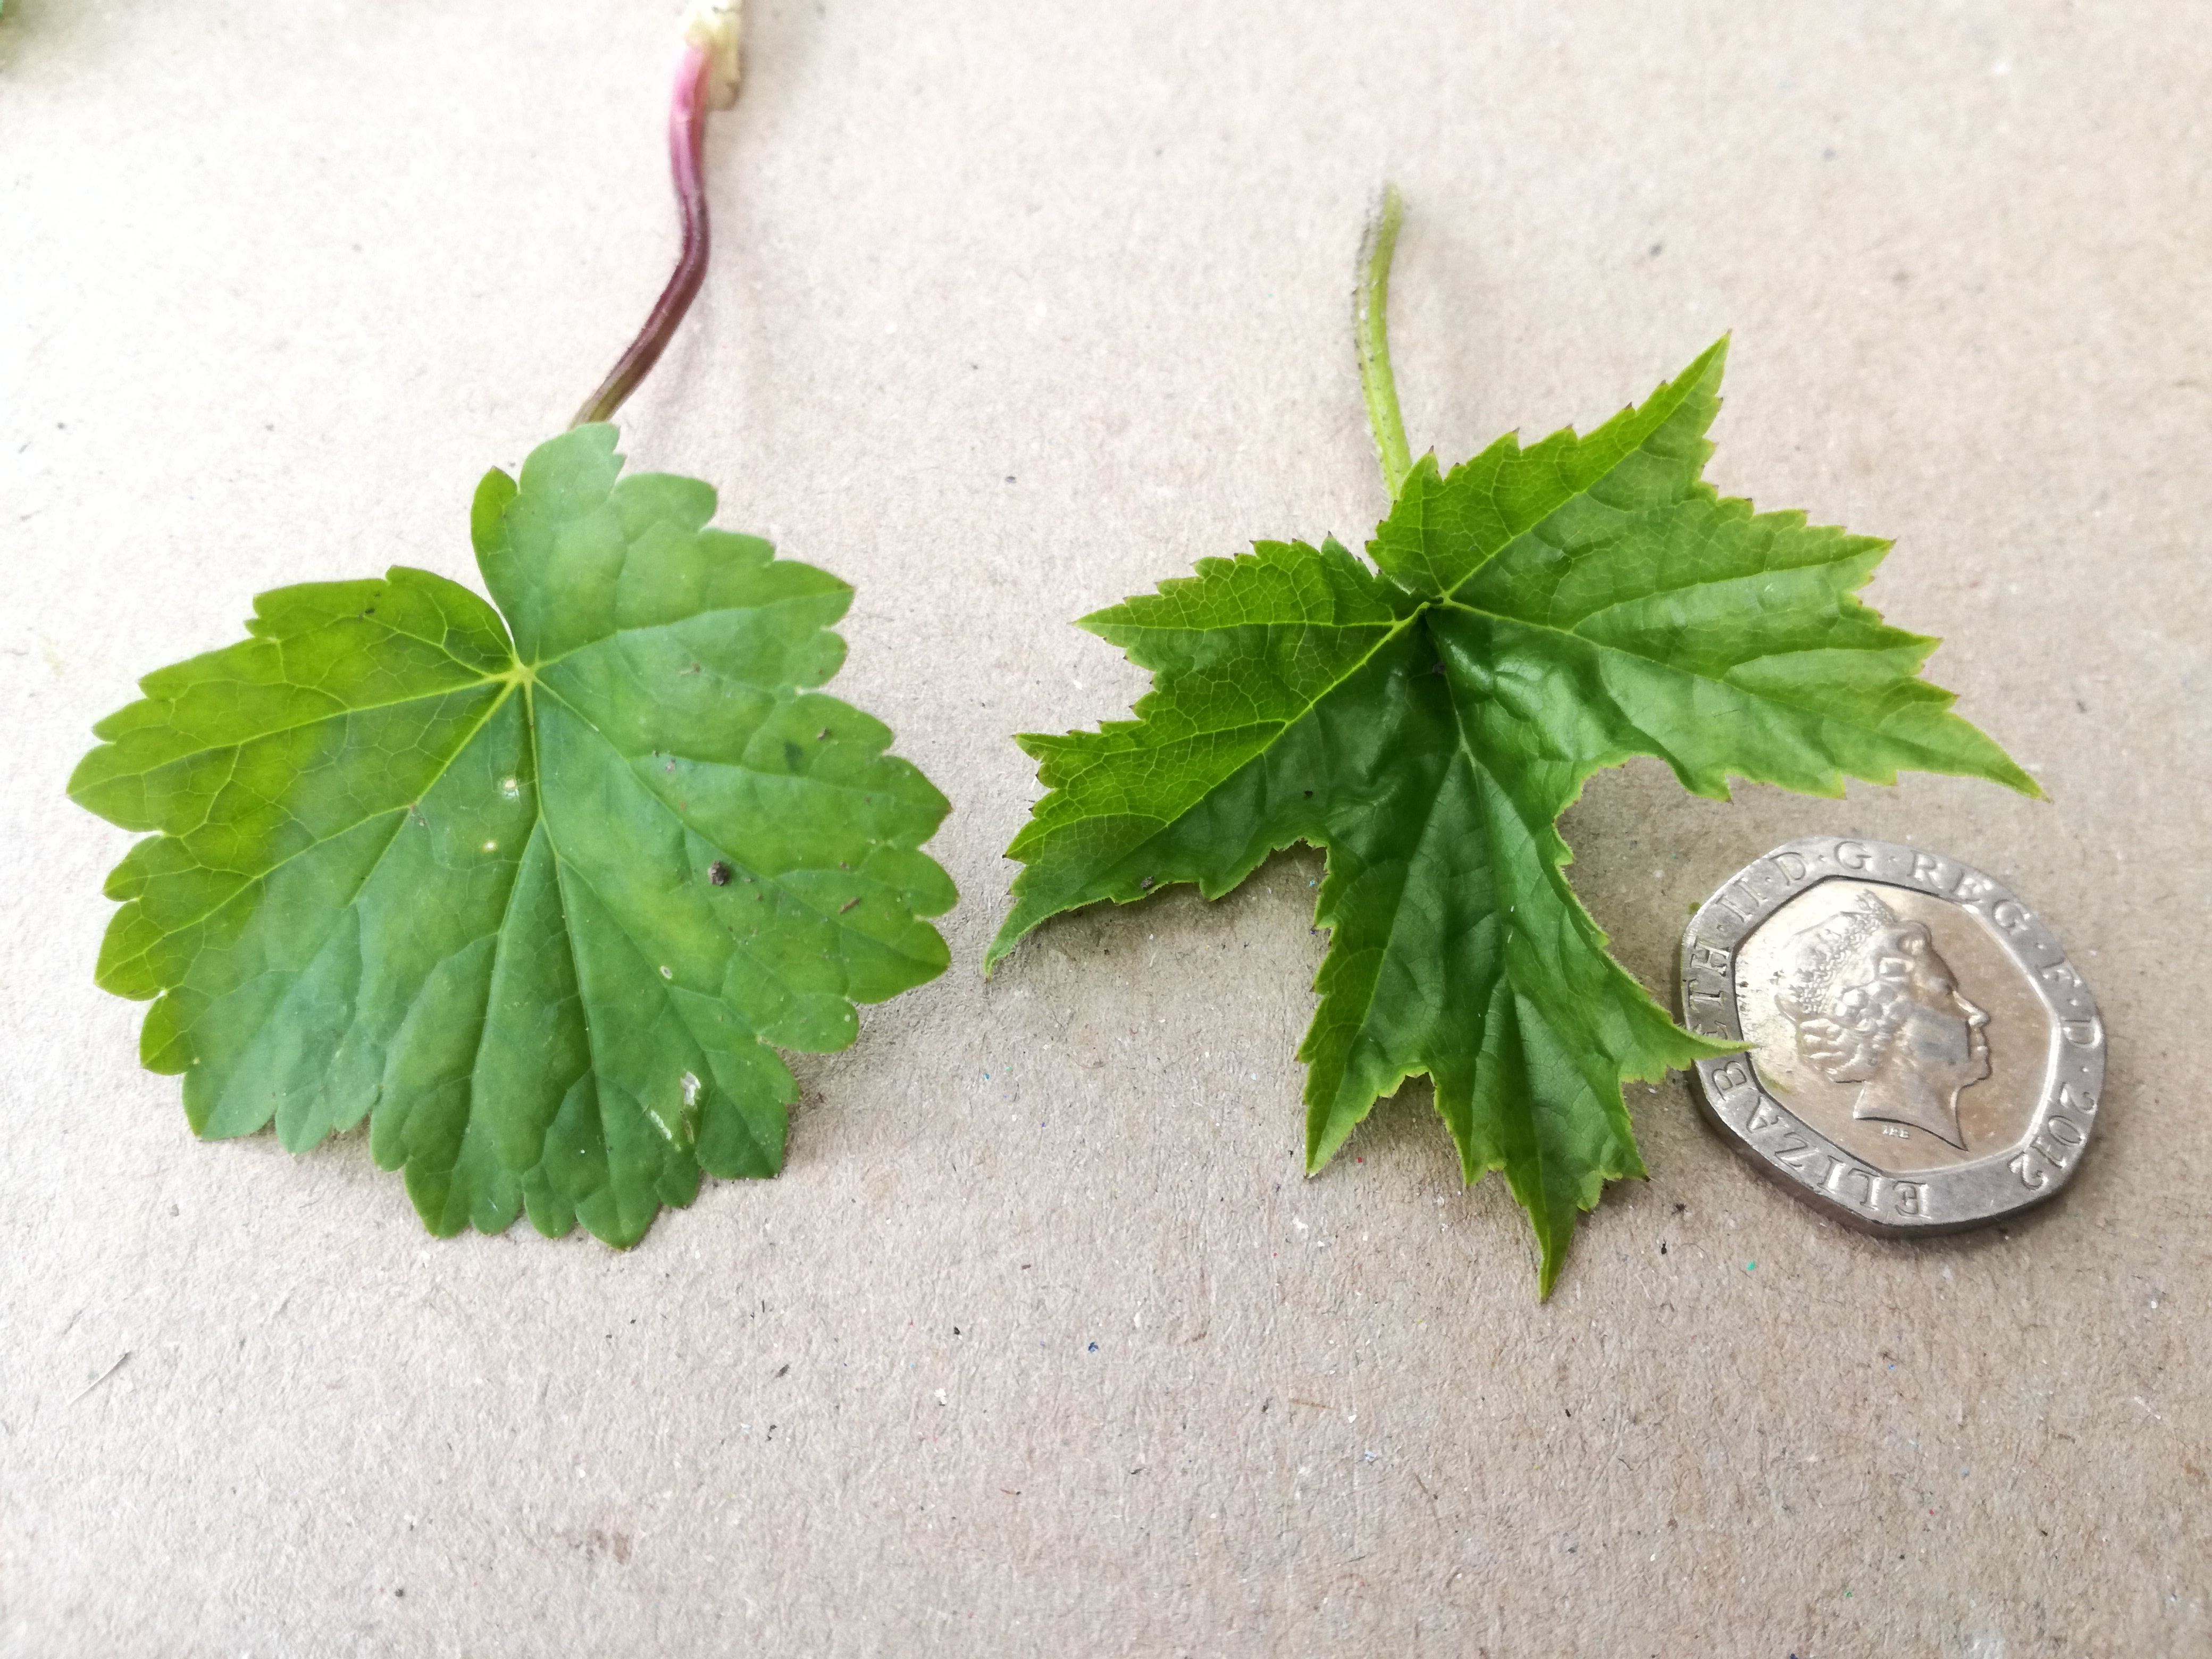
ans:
(536, 891)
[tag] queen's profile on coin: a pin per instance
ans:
(1874, 1004)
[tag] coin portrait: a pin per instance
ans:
(1921, 1053)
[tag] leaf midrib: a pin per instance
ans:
(250, 881)
(539, 665)
(343, 712)
(692, 828)
(1465, 750)
(1509, 923)
(1583, 640)
(1276, 728)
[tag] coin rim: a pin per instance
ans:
(1975, 1194)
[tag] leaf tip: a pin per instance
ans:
(496, 490)
(80, 782)
(1704, 373)
(1011, 933)
(1326, 1135)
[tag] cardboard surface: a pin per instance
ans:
(1041, 1344)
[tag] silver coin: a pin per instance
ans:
(1922, 1055)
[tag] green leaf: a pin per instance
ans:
(538, 897)
(1532, 616)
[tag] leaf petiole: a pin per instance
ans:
(706, 78)
(1372, 322)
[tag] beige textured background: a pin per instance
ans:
(1041, 1345)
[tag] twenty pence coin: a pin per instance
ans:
(1923, 1057)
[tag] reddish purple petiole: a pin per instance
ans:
(706, 78)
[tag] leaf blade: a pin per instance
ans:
(541, 912)
(1551, 612)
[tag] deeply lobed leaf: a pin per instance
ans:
(1532, 616)
(540, 905)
